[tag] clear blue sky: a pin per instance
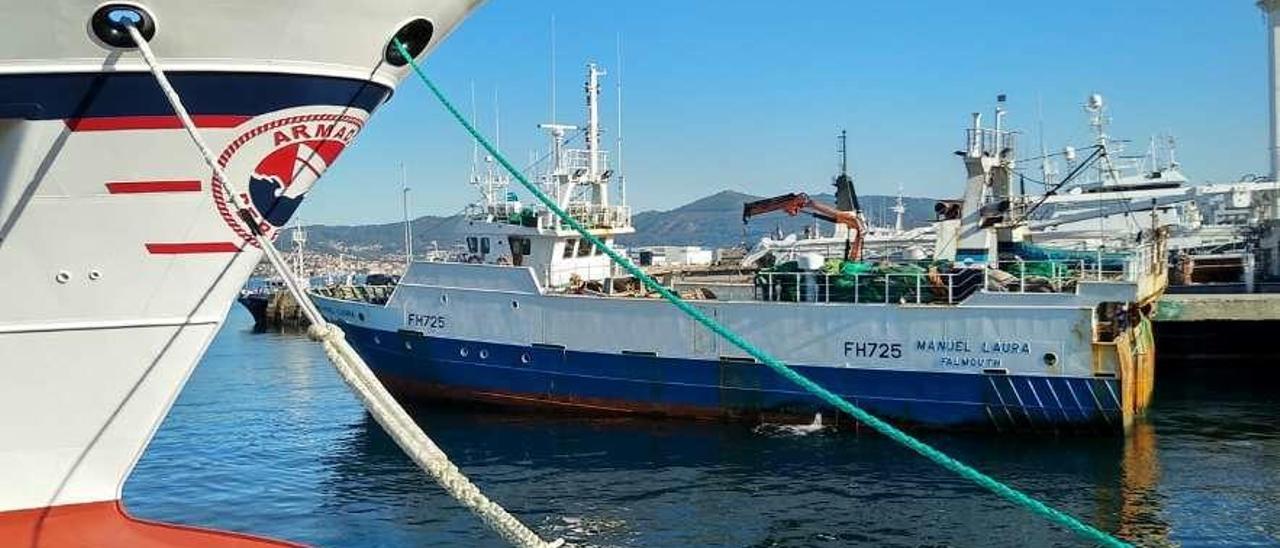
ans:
(749, 95)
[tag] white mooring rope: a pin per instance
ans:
(384, 408)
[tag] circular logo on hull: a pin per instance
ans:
(276, 161)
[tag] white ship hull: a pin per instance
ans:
(989, 360)
(120, 258)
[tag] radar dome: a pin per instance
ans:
(1095, 102)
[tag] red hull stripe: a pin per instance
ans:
(107, 525)
(115, 123)
(192, 247)
(144, 187)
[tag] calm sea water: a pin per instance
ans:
(266, 439)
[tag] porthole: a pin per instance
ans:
(525, 359)
(62, 276)
(515, 304)
(377, 339)
(444, 299)
(360, 315)
(408, 345)
(110, 24)
(484, 354)
(1050, 359)
(464, 352)
(415, 35)
(95, 275)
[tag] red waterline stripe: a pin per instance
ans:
(114, 123)
(192, 247)
(143, 187)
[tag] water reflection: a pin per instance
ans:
(267, 439)
(1140, 499)
(634, 482)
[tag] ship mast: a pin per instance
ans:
(299, 242)
(578, 178)
(846, 195)
(600, 187)
(1096, 108)
(557, 182)
(408, 231)
(898, 210)
(617, 147)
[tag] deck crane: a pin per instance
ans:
(794, 203)
(847, 211)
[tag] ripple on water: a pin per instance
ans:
(266, 439)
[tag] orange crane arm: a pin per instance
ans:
(791, 203)
(794, 203)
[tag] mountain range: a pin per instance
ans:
(713, 221)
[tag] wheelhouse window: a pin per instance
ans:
(521, 246)
(569, 246)
(473, 246)
(484, 246)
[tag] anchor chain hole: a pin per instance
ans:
(110, 23)
(415, 35)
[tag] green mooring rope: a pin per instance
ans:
(942, 459)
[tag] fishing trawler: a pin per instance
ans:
(122, 254)
(986, 337)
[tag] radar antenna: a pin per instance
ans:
(846, 196)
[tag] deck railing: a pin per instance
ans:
(989, 141)
(878, 288)
(951, 287)
(577, 158)
(595, 216)
(372, 294)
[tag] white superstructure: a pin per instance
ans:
(501, 230)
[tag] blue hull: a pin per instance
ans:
(256, 304)
(418, 367)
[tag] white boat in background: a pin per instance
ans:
(1117, 196)
(538, 318)
(120, 255)
(1105, 200)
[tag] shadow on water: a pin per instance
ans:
(644, 482)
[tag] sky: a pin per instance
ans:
(749, 95)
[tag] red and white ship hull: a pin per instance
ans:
(119, 257)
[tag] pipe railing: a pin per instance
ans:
(1014, 276)
(880, 288)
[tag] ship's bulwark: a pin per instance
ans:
(550, 377)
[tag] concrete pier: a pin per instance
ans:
(1217, 333)
(1219, 307)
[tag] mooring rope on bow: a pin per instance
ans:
(384, 408)
(942, 459)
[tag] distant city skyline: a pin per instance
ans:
(743, 97)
